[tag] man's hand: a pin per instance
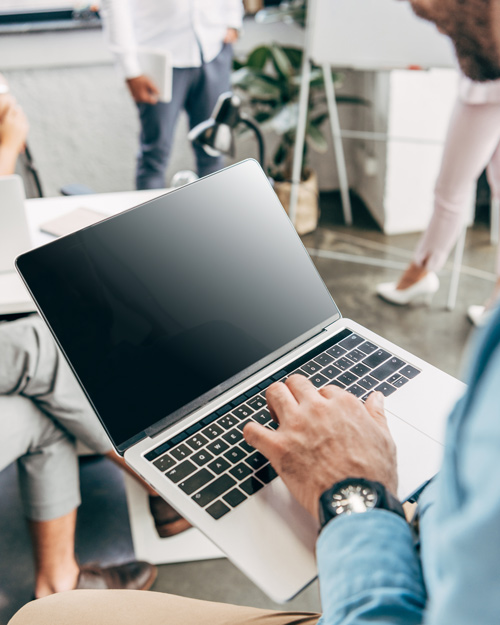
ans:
(231, 36)
(143, 89)
(324, 436)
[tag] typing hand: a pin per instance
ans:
(324, 437)
(143, 89)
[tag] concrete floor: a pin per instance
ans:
(434, 334)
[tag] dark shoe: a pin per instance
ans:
(168, 521)
(134, 575)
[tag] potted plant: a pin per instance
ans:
(269, 81)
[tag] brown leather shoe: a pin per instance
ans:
(134, 575)
(168, 521)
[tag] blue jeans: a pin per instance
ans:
(194, 89)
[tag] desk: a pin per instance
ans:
(13, 296)
(190, 545)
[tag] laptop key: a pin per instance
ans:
(360, 370)
(386, 389)
(376, 359)
(323, 359)
(400, 382)
(196, 441)
(219, 465)
(273, 425)
(234, 497)
(337, 383)
(331, 372)
(367, 347)
(388, 368)
(217, 447)
(181, 452)
(218, 510)
(228, 421)
(266, 474)
(310, 367)
(355, 355)
(181, 471)
(212, 431)
(393, 378)
(196, 481)
(409, 371)
(319, 380)
(353, 340)
(336, 351)
(242, 412)
(251, 486)
(164, 463)
(217, 488)
(262, 417)
(347, 378)
(368, 383)
(257, 403)
(256, 460)
(246, 447)
(356, 390)
(235, 454)
(343, 363)
(240, 471)
(233, 436)
(202, 457)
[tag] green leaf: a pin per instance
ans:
(316, 139)
(294, 56)
(281, 62)
(258, 57)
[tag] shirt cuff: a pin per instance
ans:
(369, 569)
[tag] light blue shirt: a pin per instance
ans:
(370, 570)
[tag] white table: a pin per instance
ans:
(13, 296)
(190, 545)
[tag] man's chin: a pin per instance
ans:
(478, 68)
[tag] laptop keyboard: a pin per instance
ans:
(211, 461)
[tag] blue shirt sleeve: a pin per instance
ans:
(370, 571)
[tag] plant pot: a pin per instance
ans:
(307, 210)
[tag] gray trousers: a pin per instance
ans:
(196, 90)
(43, 412)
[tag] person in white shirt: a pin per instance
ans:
(198, 35)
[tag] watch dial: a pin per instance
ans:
(353, 499)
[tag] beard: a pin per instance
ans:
(471, 26)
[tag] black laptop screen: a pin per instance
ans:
(163, 307)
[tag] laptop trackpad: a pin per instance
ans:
(419, 456)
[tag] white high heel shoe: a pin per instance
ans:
(421, 292)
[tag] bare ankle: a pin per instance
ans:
(413, 274)
(49, 584)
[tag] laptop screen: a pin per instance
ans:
(163, 307)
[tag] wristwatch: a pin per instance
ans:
(356, 496)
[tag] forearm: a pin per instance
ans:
(119, 31)
(8, 159)
(369, 571)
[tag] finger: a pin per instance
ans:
(331, 391)
(262, 438)
(375, 406)
(280, 401)
(301, 388)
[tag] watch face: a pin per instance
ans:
(353, 499)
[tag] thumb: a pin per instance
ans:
(375, 406)
(260, 437)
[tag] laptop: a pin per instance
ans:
(176, 316)
(14, 239)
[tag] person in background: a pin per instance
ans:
(472, 143)
(13, 130)
(198, 37)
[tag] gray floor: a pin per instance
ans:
(433, 333)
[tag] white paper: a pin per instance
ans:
(157, 64)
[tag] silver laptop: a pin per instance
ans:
(14, 239)
(178, 314)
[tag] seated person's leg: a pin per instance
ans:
(124, 607)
